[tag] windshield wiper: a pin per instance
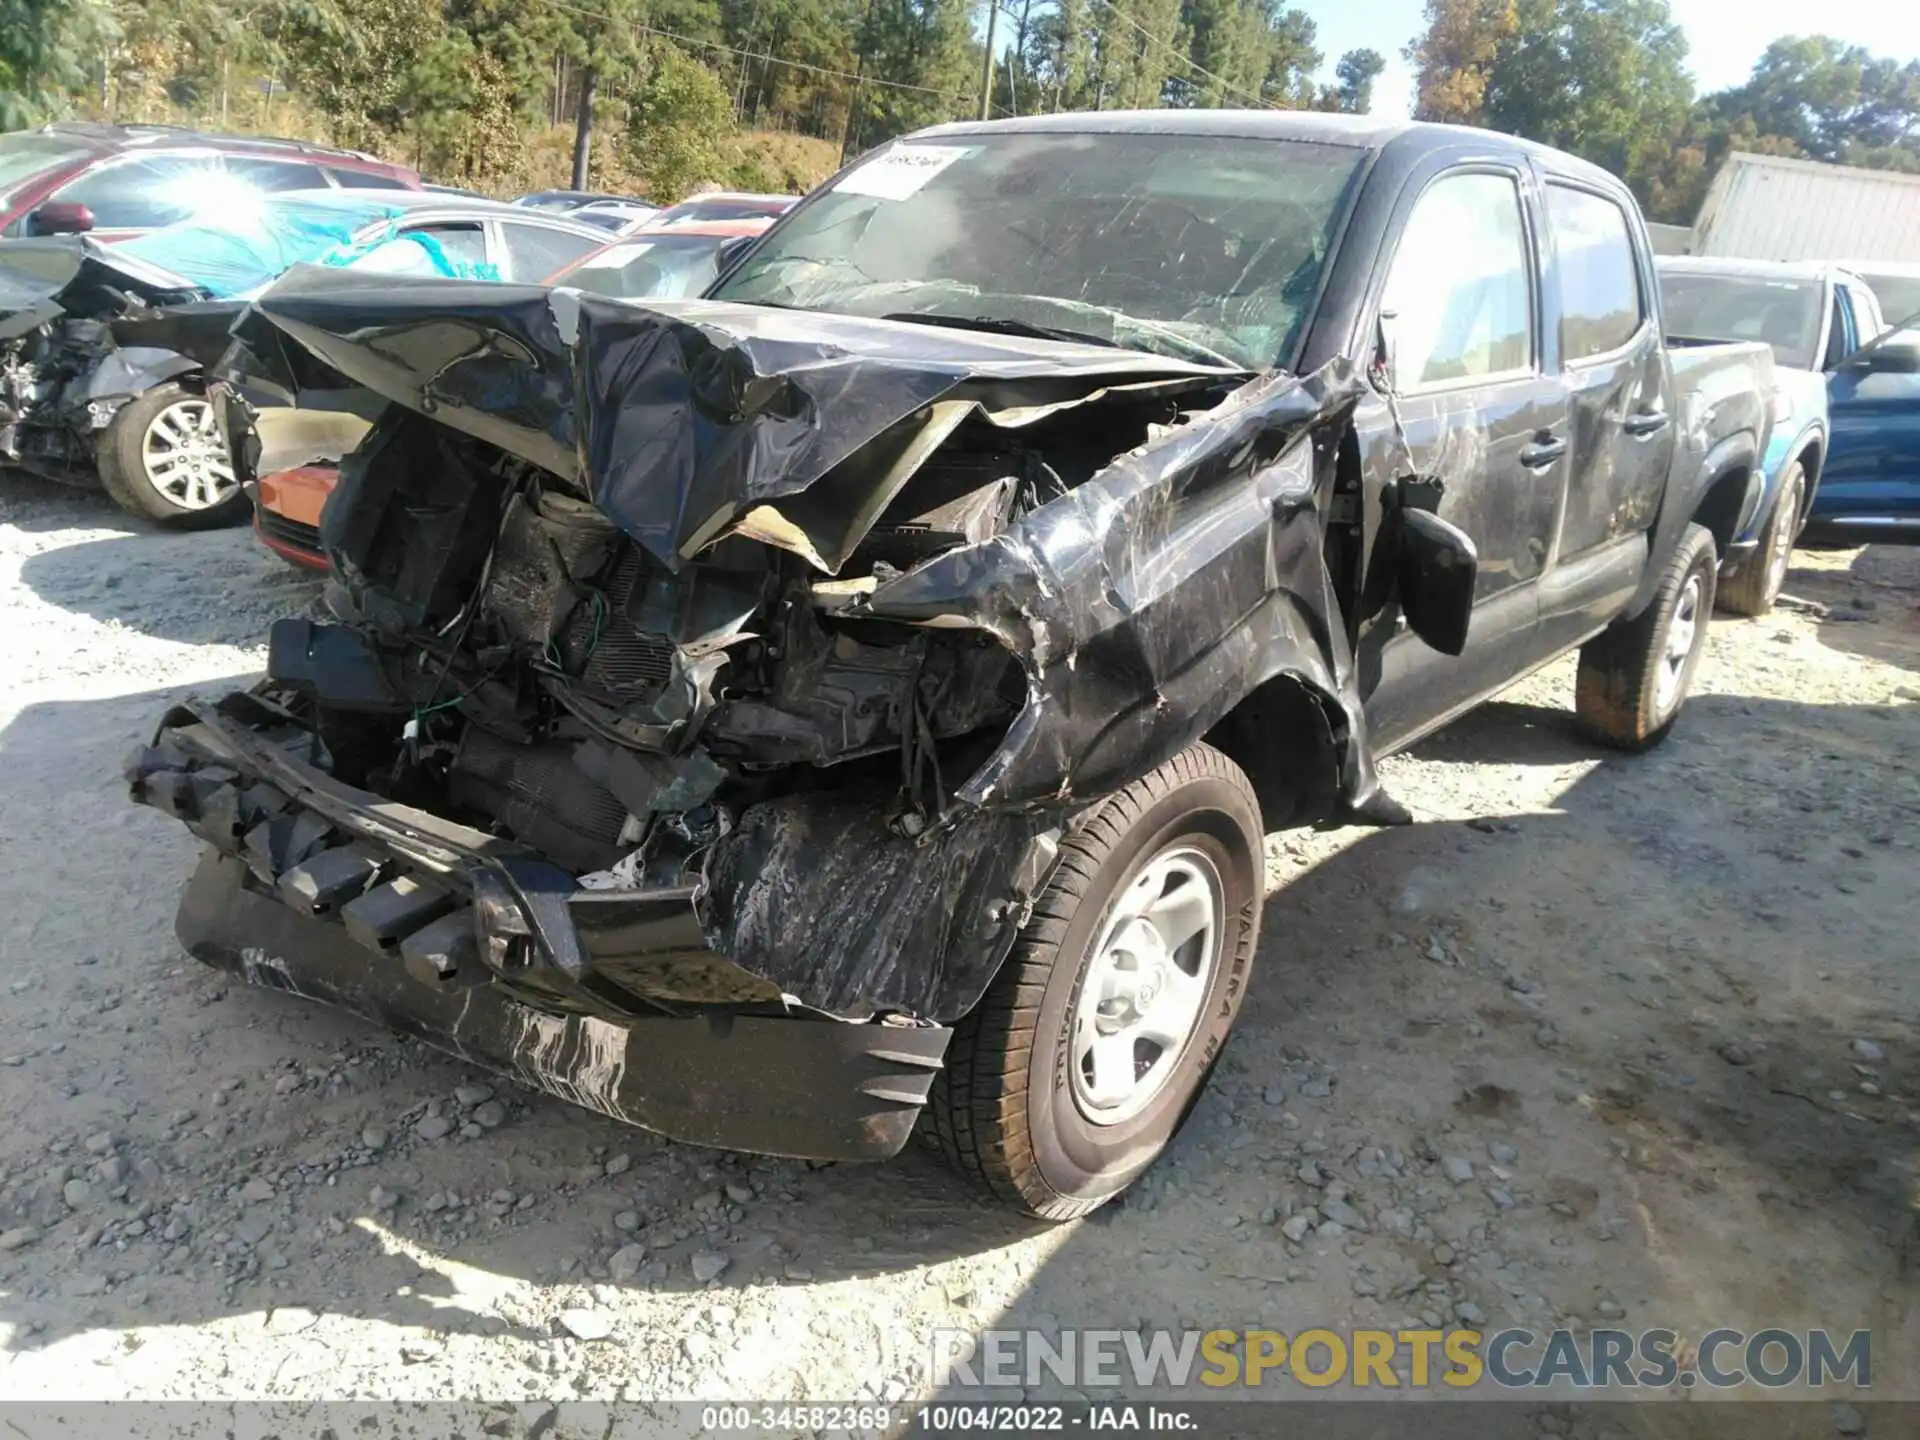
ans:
(998, 325)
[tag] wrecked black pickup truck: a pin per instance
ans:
(861, 693)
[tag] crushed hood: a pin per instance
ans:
(1143, 605)
(43, 279)
(682, 420)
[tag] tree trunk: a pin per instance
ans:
(583, 128)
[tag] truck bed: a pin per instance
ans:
(1721, 389)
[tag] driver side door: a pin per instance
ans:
(1481, 409)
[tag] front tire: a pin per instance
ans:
(1095, 1040)
(165, 459)
(1634, 675)
(1753, 588)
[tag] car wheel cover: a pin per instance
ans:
(1683, 633)
(1780, 548)
(183, 456)
(1145, 988)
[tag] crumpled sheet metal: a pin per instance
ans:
(682, 419)
(1144, 604)
(1150, 600)
(826, 900)
(37, 277)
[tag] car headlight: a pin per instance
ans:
(1782, 406)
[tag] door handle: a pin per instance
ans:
(1545, 449)
(1645, 422)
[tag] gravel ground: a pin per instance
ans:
(1600, 1040)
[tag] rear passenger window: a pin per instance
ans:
(1599, 277)
(275, 175)
(536, 251)
(1458, 302)
(366, 180)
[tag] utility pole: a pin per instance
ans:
(986, 65)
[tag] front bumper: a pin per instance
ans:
(442, 932)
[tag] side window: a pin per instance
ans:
(141, 193)
(1458, 295)
(267, 176)
(535, 251)
(1599, 276)
(364, 180)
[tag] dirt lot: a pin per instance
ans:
(1600, 1040)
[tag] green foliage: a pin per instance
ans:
(493, 93)
(45, 50)
(1355, 71)
(1607, 79)
(1455, 55)
(680, 122)
(357, 61)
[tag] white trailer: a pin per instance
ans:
(1766, 207)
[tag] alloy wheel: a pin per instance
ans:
(184, 456)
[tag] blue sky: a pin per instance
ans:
(1724, 37)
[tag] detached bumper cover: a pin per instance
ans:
(442, 932)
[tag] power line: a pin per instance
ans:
(762, 59)
(1186, 60)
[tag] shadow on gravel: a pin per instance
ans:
(1503, 732)
(36, 505)
(207, 587)
(1652, 991)
(1872, 608)
(255, 1153)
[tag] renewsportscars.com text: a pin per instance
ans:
(1394, 1359)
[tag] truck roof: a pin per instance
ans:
(1361, 132)
(1753, 269)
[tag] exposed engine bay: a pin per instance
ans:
(516, 660)
(794, 638)
(77, 341)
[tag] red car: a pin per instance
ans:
(120, 180)
(657, 262)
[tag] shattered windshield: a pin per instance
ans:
(1785, 314)
(1206, 248)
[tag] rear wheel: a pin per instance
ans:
(164, 458)
(1756, 585)
(1634, 675)
(1096, 1038)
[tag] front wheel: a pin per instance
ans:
(1754, 588)
(1634, 675)
(1098, 1035)
(165, 459)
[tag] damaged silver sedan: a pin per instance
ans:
(859, 695)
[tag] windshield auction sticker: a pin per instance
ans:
(901, 171)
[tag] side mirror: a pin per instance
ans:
(734, 251)
(1901, 358)
(1436, 572)
(60, 217)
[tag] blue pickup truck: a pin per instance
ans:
(1873, 485)
(1846, 436)
(1814, 317)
